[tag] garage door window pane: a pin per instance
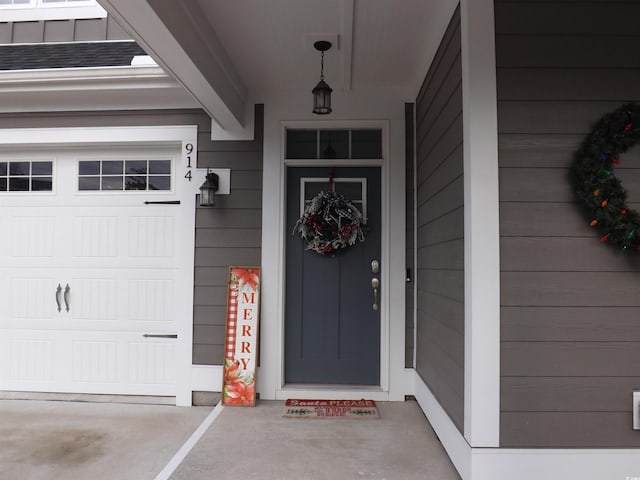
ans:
(19, 168)
(41, 184)
(111, 183)
(160, 167)
(3, 169)
(137, 167)
(41, 168)
(88, 183)
(135, 183)
(159, 183)
(18, 184)
(111, 168)
(89, 168)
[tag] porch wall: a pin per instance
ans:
(569, 305)
(440, 227)
(229, 234)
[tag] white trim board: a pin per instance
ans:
(206, 378)
(481, 226)
(523, 464)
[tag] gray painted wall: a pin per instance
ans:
(229, 234)
(80, 30)
(440, 227)
(570, 305)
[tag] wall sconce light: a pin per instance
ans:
(208, 190)
(322, 91)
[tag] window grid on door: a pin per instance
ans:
(343, 144)
(26, 176)
(124, 175)
(353, 189)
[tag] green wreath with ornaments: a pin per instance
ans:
(595, 185)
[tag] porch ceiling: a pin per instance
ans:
(246, 50)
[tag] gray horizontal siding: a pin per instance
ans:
(74, 30)
(228, 234)
(439, 225)
(569, 329)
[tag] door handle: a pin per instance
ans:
(58, 292)
(67, 290)
(375, 283)
(160, 335)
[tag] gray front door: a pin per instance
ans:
(332, 331)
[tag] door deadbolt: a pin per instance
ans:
(375, 266)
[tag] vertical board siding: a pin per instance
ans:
(229, 234)
(569, 305)
(440, 227)
(72, 30)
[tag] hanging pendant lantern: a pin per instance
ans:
(322, 91)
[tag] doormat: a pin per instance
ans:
(330, 409)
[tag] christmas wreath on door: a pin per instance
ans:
(330, 223)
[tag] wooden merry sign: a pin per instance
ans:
(241, 337)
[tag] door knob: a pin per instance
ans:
(375, 283)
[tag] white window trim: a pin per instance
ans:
(38, 11)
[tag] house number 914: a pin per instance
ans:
(189, 149)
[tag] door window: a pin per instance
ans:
(303, 143)
(353, 189)
(124, 175)
(26, 176)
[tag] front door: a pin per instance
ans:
(332, 314)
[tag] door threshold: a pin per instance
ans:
(331, 392)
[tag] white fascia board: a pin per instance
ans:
(224, 104)
(91, 89)
(58, 12)
(96, 78)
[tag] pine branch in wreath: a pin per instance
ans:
(597, 188)
(330, 224)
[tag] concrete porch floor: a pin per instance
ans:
(68, 440)
(257, 443)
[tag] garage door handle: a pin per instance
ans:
(67, 289)
(160, 335)
(58, 292)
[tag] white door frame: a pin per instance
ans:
(177, 136)
(382, 392)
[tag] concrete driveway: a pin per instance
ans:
(44, 440)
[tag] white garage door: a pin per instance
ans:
(90, 260)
